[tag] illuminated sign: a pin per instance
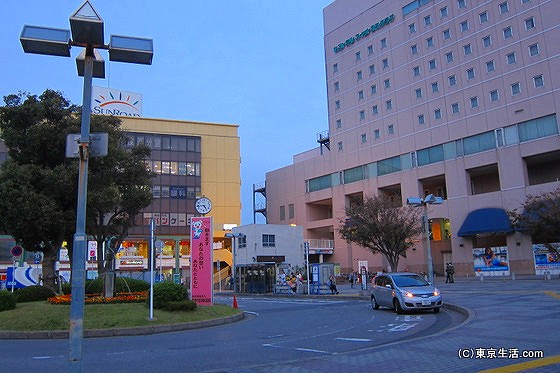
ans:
(366, 32)
(202, 238)
(107, 101)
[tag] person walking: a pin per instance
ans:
(450, 271)
(332, 285)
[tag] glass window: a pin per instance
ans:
(432, 64)
(533, 50)
(375, 109)
(389, 104)
(449, 57)
(412, 28)
(474, 102)
(464, 26)
(510, 57)
(430, 155)
(538, 128)
(373, 89)
(437, 114)
(156, 191)
(383, 43)
(157, 167)
(371, 69)
(282, 212)
(165, 167)
(336, 86)
(421, 119)
(165, 143)
(353, 174)
(360, 95)
(385, 63)
(467, 49)
(461, 4)
(388, 166)
(182, 168)
(538, 80)
(455, 108)
(370, 50)
(174, 143)
(494, 96)
(364, 138)
(416, 70)
(470, 73)
(340, 147)
(268, 240)
(414, 49)
(483, 17)
(430, 42)
(418, 92)
(479, 143)
(291, 211)
(446, 34)
(165, 191)
(362, 115)
(504, 7)
(515, 88)
(335, 67)
(444, 12)
(387, 83)
(391, 129)
(435, 87)
(428, 20)
(337, 104)
(174, 168)
(490, 66)
(486, 41)
(358, 56)
(452, 80)
(359, 75)
(525, 1)
(529, 23)
(508, 32)
(376, 134)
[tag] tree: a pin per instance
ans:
(382, 226)
(38, 184)
(540, 217)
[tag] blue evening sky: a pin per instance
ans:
(256, 63)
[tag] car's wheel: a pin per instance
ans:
(436, 310)
(374, 304)
(397, 307)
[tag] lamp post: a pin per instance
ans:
(424, 202)
(86, 29)
(234, 237)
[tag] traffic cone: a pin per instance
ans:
(235, 302)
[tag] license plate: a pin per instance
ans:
(426, 302)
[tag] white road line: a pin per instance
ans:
(47, 357)
(354, 339)
(312, 350)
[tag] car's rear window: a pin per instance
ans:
(407, 280)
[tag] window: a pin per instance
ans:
(336, 86)
(437, 114)
(412, 28)
(494, 96)
(428, 20)
(515, 88)
(467, 49)
(383, 43)
(486, 41)
(483, 17)
(421, 119)
(525, 1)
(360, 95)
(387, 83)
(464, 26)
(508, 32)
(376, 134)
(268, 240)
(340, 147)
(449, 57)
(385, 63)
(371, 69)
(504, 7)
(461, 4)
(446, 34)
(529, 23)
(414, 49)
(362, 115)
(538, 80)
(337, 104)
(474, 102)
(282, 212)
(418, 92)
(432, 64)
(370, 50)
(416, 70)
(335, 67)
(391, 129)
(358, 56)
(444, 12)
(364, 138)
(373, 89)
(375, 110)
(455, 108)
(510, 58)
(490, 66)
(533, 50)
(430, 42)
(452, 80)
(339, 123)
(359, 75)
(291, 211)
(389, 104)
(435, 87)
(470, 73)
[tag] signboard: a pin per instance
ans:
(98, 145)
(201, 260)
(21, 277)
(110, 101)
(17, 251)
(546, 260)
(92, 250)
(491, 261)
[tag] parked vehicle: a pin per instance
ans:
(404, 291)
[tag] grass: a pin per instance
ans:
(44, 316)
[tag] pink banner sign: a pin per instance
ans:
(201, 260)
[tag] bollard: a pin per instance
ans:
(481, 277)
(513, 276)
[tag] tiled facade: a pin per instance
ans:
(456, 98)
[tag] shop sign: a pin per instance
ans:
(109, 101)
(376, 26)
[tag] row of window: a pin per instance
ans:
(510, 135)
(174, 168)
(291, 212)
(268, 240)
(165, 142)
(444, 12)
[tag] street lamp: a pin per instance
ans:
(86, 30)
(424, 202)
(234, 237)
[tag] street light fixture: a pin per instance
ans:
(424, 202)
(86, 29)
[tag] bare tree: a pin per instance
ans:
(382, 226)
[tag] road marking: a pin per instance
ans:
(354, 339)
(46, 357)
(526, 365)
(552, 294)
(312, 350)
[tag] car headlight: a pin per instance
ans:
(408, 294)
(436, 292)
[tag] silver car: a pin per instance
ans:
(404, 291)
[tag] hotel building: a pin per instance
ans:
(455, 98)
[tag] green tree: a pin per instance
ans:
(382, 226)
(38, 184)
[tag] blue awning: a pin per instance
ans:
(488, 220)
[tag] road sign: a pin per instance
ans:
(159, 244)
(17, 250)
(37, 258)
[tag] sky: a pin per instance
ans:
(259, 64)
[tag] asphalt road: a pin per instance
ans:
(276, 330)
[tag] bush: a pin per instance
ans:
(33, 293)
(7, 301)
(122, 285)
(165, 292)
(66, 288)
(182, 306)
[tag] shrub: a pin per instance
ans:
(182, 306)
(66, 288)
(7, 301)
(165, 292)
(33, 293)
(126, 284)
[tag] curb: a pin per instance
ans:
(121, 332)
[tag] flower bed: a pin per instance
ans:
(136, 297)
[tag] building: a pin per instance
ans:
(455, 98)
(190, 160)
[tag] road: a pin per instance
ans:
(276, 330)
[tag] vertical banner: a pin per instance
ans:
(202, 239)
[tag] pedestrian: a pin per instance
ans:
(352, 279)
(332, 285)
(451, 273)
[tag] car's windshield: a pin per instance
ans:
(409, 280)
